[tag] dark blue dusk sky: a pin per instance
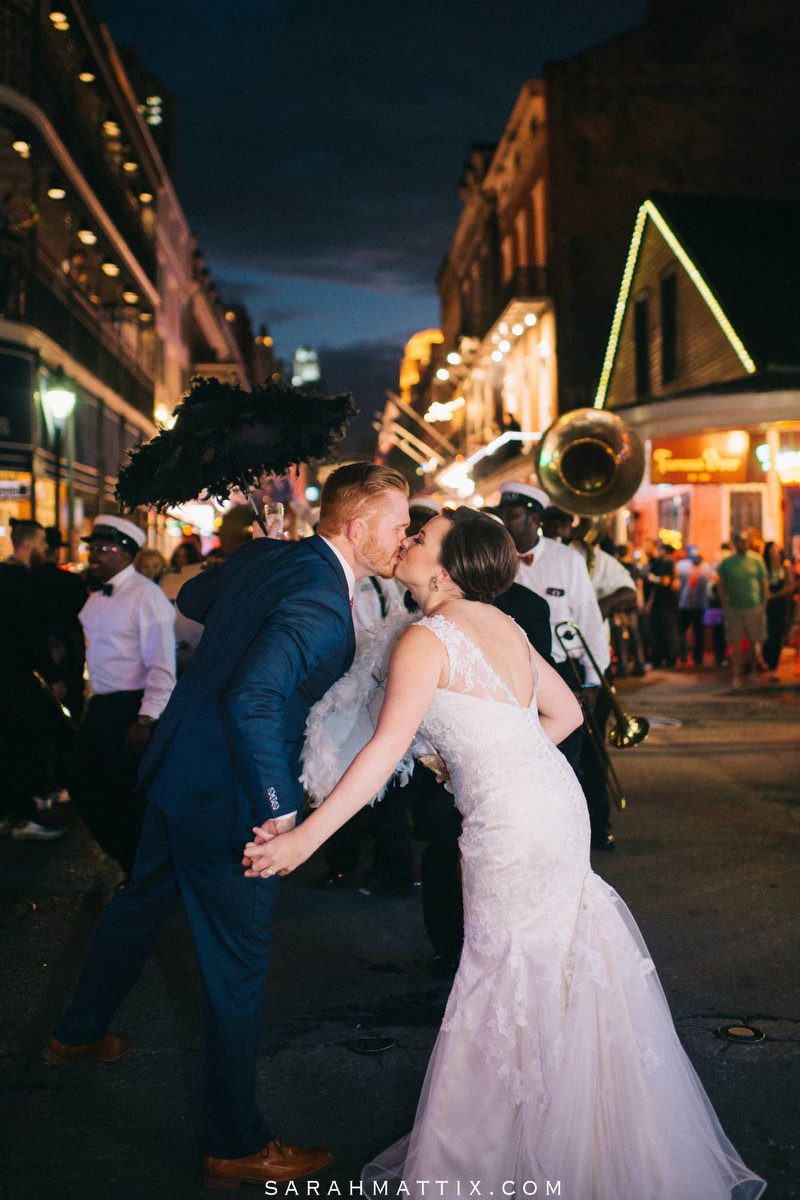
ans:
(320, 143)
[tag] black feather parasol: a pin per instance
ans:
(225, 438)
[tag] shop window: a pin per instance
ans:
(112, 444)
(746, 512)
(669, 327)
(673, 518)
(17, 384)
(85, 432)
(791, 510)
(641, 336)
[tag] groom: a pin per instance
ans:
(225, 757)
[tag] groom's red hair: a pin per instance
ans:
(349, 491)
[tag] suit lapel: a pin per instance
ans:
(323, 549)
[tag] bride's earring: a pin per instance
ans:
(435, 583)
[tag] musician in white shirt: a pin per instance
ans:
(556, 573)
(560, 576)
(130, 653)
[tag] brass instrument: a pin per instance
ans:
(589, 462)
(627, 731)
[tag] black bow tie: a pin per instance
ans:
(106, 588)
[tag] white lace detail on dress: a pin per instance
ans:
(470, 673)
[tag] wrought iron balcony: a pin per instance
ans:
(30, 65)
(526, 283)
(49, 305)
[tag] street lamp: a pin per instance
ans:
(59, 399)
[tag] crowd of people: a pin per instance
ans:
(88, 660)
(738, 610)
(76, 721)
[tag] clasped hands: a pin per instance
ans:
(276, 849)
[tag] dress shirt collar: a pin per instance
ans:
(537, 550)
(123, 577)
(349, 573)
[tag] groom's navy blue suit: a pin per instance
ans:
(224, 757)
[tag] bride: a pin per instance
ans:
(557, 1069)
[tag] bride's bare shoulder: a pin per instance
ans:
(418, 638)
(418, 655)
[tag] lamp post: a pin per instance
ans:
(59, 399)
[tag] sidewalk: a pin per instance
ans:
(708, 856)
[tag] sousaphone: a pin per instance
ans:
(590, 463)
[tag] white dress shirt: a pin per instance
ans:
(373, 601)
(130, 641)
(608, 574)
(349, 573)
(560, 577)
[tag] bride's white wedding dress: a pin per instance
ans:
(557, 1060)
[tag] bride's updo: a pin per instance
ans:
(478, 555)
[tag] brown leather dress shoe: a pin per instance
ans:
(109, 1048)
(276, 1163)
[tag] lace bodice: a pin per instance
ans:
(514, 789)
(487, 738)
(470, 673)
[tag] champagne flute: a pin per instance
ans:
(273, 518)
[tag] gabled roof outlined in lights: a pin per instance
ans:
(650, 211)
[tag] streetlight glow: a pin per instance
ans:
(59, 397)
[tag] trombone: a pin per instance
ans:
(627, 730)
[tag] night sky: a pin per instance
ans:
(320, 143)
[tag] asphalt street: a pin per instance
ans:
(708, 856)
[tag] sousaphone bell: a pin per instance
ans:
(589, 462)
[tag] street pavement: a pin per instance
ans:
(708, 854)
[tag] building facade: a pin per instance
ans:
(679, 105)
(699, 100)
(102, 297)
(487, 384)
(703, 361)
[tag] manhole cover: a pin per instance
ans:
(740, 1033)
(371, 1045)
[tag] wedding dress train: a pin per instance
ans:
(557, 1067)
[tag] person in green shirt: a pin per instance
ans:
(742, 583)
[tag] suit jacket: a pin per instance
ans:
(532, 614)
(278, 633)
(23, 625)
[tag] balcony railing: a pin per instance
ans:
(526, 283)
(51, 307)
(29, 65)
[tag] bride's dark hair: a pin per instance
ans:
(478, 554)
